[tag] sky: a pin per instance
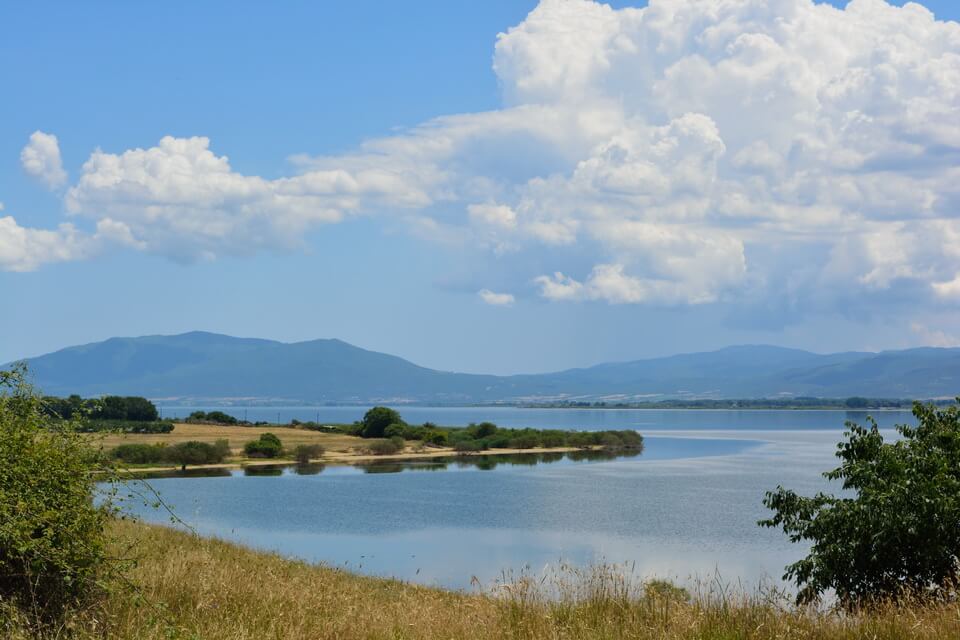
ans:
(506, 186)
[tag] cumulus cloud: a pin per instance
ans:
(683, 153)
(41, 159)
(27, 248)
(496, 299)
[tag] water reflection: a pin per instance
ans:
(461, 462)
(489, 462)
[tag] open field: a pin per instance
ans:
(235, 435)
(194, 587)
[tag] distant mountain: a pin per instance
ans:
(207, 366)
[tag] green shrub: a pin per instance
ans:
(397, 430)
(376, 420)
(196, 452)
(438, 438)
(267, 446)
(304, 453)
(139, 453)
(467, 446)
(895, 532)
(52, 541)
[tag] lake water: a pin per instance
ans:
(685, 509)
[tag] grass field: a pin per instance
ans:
(235, 435)
(197, 588)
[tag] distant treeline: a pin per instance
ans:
(127, 414)
(383, 422)
(130, 408)
(802, 402)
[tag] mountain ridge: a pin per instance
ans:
(205, 365)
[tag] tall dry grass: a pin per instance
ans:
(191, 587)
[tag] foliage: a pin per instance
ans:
(217, 417)
(386, 447)
(376, 420)
(128, 408)
(267, 445)
(304, 453)
(895, 532)
(136, 453)
(123, 426)
(52, 541)
(396, 429)
(196, 452)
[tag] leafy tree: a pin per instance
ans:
(896, 530)
(52, 540)
(482, 430)
(376, 420)
(139, 409)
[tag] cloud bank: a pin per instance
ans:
(693, 151)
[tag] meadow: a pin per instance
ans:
(185, 586)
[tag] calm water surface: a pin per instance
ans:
(686, 508)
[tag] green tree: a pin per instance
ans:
(376, 420)
(896, 530)
(52, 540)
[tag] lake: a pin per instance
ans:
(684, 509)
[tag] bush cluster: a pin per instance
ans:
(123, 426)
(183, 453)
(216, 417)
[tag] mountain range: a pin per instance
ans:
(200, 366)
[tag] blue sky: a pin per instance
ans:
(584, 196)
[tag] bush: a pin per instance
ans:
(386, 447)
(196, 452)
(896, 531)
(139, 453)
(467, 446)
(438, 438)
(52, 541)
(304, 453)
(267, 446)
(396, 430)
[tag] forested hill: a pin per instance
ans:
(202, 365)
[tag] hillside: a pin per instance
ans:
(200, 365)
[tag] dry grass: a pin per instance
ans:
(201, 588)
(236, 435)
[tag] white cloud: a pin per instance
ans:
(686, 152)
(496, 299)
(934, 337)
(41, 159)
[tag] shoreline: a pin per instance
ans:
(347, 460)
